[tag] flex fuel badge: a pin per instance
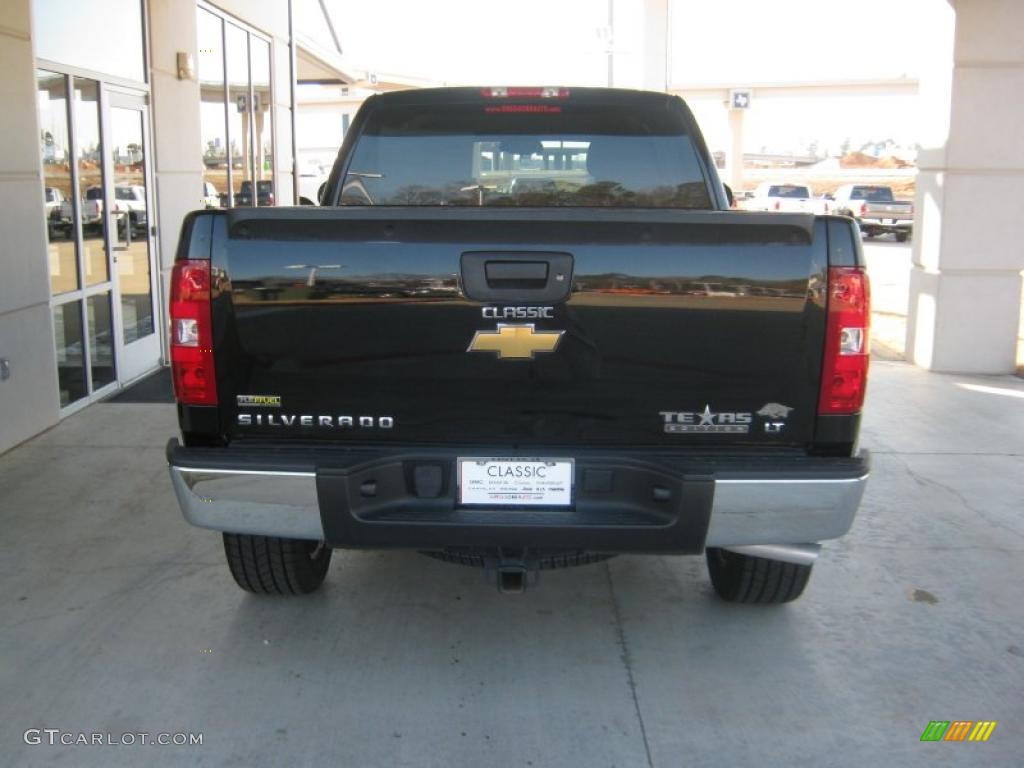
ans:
(259, 401)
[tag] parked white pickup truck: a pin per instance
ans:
(91, 209)
(312, 177)
(787, 198)
(129, 204)
(53, 198)
(876, 210)
(130, 201)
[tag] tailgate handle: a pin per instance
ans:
(517, 276)
(524, 274)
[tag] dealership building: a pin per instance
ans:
(122, 115)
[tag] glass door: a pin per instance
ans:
(81, 288)
(128, 207)
(94, 145)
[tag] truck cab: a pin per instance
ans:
(779, 196)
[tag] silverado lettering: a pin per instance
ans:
(582, 351)
(290, 420)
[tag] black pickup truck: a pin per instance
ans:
(524, 331)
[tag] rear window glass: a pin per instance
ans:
(872, 194)
(524, 155)
(788, 190)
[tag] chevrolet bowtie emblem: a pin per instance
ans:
(515, 342)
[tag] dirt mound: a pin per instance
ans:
(860, 160)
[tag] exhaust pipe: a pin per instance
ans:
(800, 554)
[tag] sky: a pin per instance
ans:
(541, 41)
(564, 42)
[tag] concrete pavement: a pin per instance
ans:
(116, 616)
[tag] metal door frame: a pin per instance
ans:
(114, 96)
(108, 94)
(83, 292)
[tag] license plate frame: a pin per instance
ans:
(479, 488)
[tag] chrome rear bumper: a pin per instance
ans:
(783, 511)
(256, 502)
(744, 512)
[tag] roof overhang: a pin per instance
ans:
(317, 65)
(389, 81)
(879, 86)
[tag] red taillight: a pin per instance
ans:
(844, 374)
(778, 205)
(525, 93)
(863, 209)
(192, 334)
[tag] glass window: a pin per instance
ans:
(100, 35)
(551, 155)
(239, 122)
(128, 159)
(67, 324)
(235, 88)
(262, 105)
(52, 103)
(90, 180)
(212, 110)
(872, 194)
(101, 340)
(788, 191)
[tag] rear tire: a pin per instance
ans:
(269, 565)
(901, 237)
(756, 580)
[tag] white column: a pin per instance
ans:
(736, 149)
(177, 161)
(965, 283)
(28, 397)
(641, 44)
(656, 45)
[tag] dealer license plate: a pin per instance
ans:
(516, 482)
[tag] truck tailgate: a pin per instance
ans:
(888, 210)
(679, 328)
